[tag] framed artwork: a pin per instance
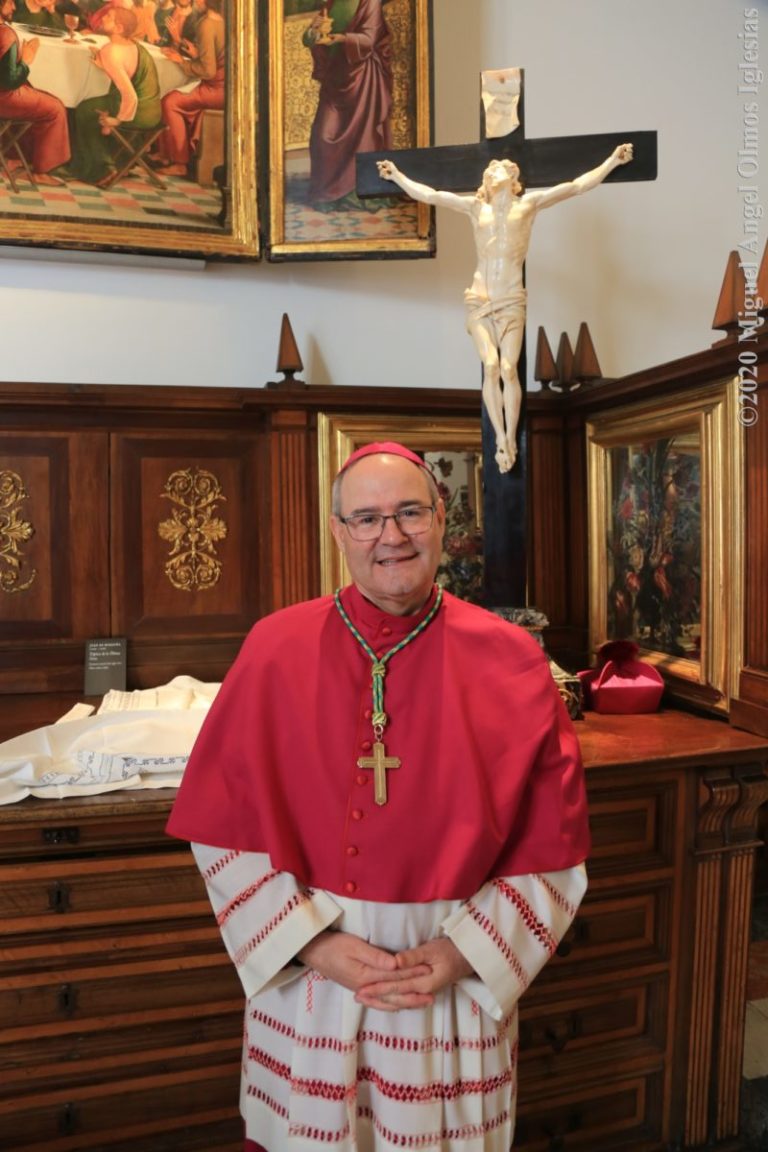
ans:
(330, 100)
(163, 163)
(665, 548)
(452, 447)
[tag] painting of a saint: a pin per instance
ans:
(352, 76)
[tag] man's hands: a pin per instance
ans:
(623, 154)
(421, 973)
(379, 979)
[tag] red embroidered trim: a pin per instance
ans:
(270, 1103)
(490, 930)
(243, 897)
(391, 1043)
(220, 864)
(404, 1093)
(557, 896)
(243, 953)
(437, 1090)
(535, 926)
(428, 1140)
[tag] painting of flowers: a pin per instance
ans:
(665, 485)
(654, 545)
(461, 564)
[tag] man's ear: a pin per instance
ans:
(339, 535)
(440, 514)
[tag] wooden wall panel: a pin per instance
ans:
(53, 524)
(185, 552)
(547, 516)
(293, 514)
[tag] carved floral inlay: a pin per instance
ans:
(14, 531)
(193, 529)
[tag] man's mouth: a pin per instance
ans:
(388, 561)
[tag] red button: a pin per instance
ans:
(361, 779)
(350, 887)
(357, 813)
(366, 745)
(351, 850)
(386, 630)
(367, 714)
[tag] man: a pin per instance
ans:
(205, 60)
(352, 60)
(502, 217)
(46, 142)
(133, 99)
(388, 808)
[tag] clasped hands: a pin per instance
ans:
(385, 980)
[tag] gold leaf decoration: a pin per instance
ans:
(193, 529)
(14, 531)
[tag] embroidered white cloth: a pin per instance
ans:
(321, 1071)
(136, 739)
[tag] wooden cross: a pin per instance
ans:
(380, 762)
(543, 163)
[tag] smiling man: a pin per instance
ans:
(387, 805)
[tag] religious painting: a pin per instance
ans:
(452, 447)
(345, 77)
(665, 551)
(129, 127)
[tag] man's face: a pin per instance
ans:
(395, 572)
(7, 9)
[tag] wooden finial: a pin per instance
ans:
(288, 359)
(564, 362)
(545, 370)
(585, 365)
(731, 300)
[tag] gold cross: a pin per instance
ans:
(379, 762)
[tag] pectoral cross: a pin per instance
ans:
(543, 163)
(380, 762)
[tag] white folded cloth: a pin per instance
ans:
(136, 739)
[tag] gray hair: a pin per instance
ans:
(434, 491)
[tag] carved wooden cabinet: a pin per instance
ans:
(632, 1036)
(120, 1014)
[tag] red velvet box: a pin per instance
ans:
(621, 683)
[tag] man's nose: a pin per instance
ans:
(392, 531)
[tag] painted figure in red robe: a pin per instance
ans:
(352, 60)
(46, 142)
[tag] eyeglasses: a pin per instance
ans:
(366, 526)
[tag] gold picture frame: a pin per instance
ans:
(210, 213)
(306, 222)
(665, 538)
(453, 447)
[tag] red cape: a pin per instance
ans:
(490, 782)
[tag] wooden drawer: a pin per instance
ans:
(98, 1116)
(118, 991)
(634, 828)
(112, 823)
(66, 894)
(98, 1049)
(612, 930)
(623, 1114)
(623, 1019)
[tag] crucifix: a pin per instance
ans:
(380, 762)
(568, 163)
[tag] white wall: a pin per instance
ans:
(641, 263)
